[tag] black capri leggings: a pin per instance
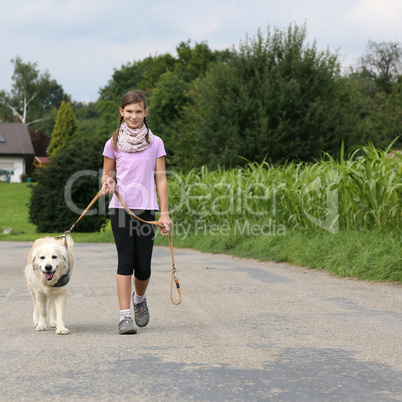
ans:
(134, 242)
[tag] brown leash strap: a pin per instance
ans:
(132, 214)
(85, 211)
(174, 279)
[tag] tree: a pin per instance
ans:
(384, 117)
(64, 129)
(193, 62)
(40, 142)
(142, 74)
(167, 101)
(78, 166)
(33, 93)
(382, 63)
(376, 87)
(277, 99)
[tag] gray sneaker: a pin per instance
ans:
(141, 313)
(126, 326)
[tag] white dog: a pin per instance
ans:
(49, 268)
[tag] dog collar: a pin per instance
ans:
(63, 280)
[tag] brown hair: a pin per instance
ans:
(129, 98)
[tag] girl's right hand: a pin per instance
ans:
(166, 224)
(108, 186)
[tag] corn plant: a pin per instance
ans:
(362, 191)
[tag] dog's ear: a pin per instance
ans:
(62, 252)
(33, 261)
(69, 242)
(33, 255)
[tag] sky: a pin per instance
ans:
(82, 42)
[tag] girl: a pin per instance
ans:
(139, 159)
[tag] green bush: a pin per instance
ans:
(67, 184)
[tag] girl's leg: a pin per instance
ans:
(140, 286)
(144, 235)
(125, 251)
(144, 242)
(124, 291)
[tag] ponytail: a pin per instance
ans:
(146, 125)
(116, 134)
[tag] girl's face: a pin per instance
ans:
(133, 115)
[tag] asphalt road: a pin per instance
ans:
(245, 330)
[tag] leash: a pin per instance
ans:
(66, 278)
(85, 211)
(174, 278)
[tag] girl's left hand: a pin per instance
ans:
(167, 224)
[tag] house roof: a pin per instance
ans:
(15, 139)
(42, 159)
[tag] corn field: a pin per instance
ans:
(362, 191)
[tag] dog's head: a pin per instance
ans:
(49, 260)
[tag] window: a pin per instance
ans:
(2, 139)
(9, 166)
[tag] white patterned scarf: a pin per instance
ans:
(133, 140)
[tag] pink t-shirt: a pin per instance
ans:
(135, 175)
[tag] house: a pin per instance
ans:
(41, 161)
(15, 147)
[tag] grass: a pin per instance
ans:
(14, 213)
(374, 254)
(14, 199)
(367, 255)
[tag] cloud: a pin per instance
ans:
(206, 16)
(61, 15)
(81, 42)
(376, 18)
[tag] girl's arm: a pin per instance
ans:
(107, 176)
(162, 188)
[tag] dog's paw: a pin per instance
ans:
(62, 331)
(53, 324)
(41, 327)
